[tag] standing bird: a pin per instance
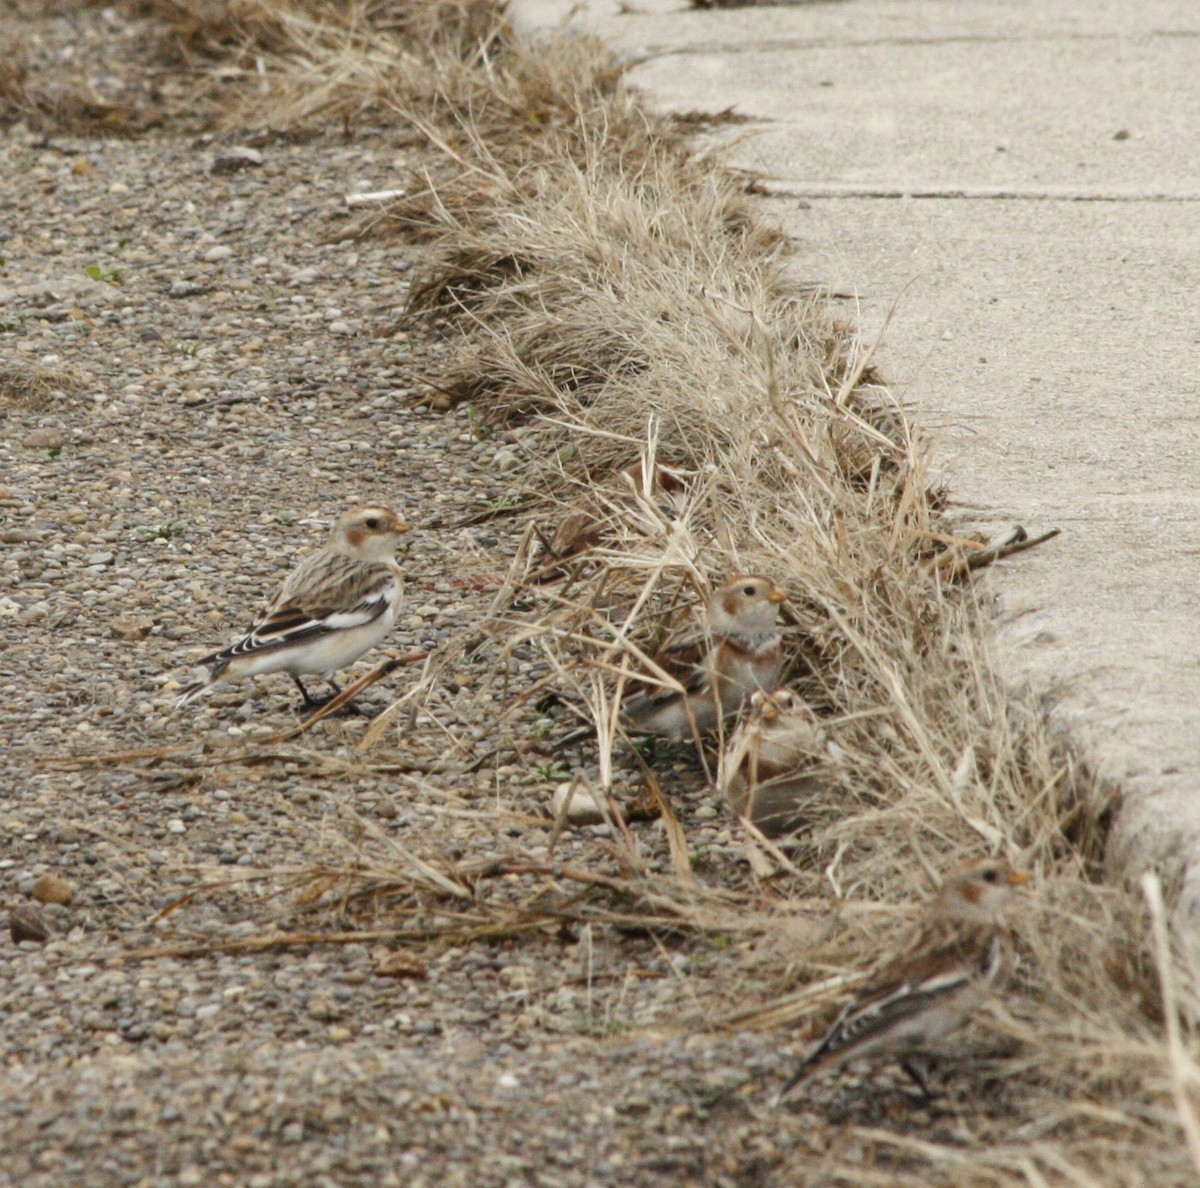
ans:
(916, 997)
(776, 762)
(740, 653)
(335, 605)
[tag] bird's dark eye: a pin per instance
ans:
(991, 875)
(372, 522)
(749, 591)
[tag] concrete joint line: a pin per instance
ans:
(787, 189)
(799, 44)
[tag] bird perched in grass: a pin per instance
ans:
(775, 762)
(920, 994)
(335, 605)
(740, 652)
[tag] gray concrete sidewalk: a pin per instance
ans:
(1023, 180)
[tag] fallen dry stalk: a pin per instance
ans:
(232, 753)
(347, 695)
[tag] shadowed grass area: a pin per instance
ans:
(619, 298)
(61, 94)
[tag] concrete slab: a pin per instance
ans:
(1021, 177)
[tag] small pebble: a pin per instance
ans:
(577, 804)
(52, 889)
(48, 438)
(26, 924)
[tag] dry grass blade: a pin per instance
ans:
(413, 868)
(264, 943)
(676, 838)
(793, 1007)
(1184, 1070)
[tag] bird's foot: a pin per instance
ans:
(349, 710)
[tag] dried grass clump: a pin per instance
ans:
(224, 28)
(195, 30)
(324, 59)
(31, 386)
(452, 68)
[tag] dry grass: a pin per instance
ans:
(14, 81)
(201, 30)
(29, 385)
(622, 302)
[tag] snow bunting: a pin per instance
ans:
(643, 484)
(775, 762)
(741, 652)
(335, 605)
(920, 994)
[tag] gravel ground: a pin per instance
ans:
(196, 373)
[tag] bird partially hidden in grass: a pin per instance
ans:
(337, 604)
(920, 994)
(740, 652)
(775, 762)
(646, 484)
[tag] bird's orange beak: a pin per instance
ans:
(777, 595)
(768, 711)
(1017, 877)
(399, 526)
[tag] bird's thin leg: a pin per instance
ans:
(918, 1077)
(351, 709)
(311, 702)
